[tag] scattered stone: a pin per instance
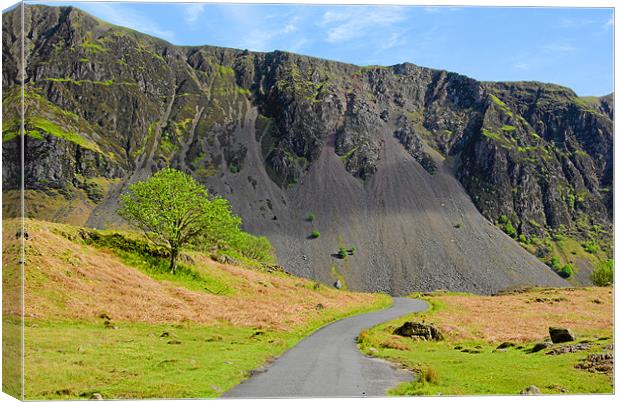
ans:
(540, 346)
(96, 396)
(418, 330)
(560, 335)
(338, 284)
(597, 301)
(471, 351)
(505, 345)
(558, 388)
(569, 349)
(320, 306)
(164, 334)
(105, 316)
(598, 363)
(458, 347)
(531, 390)
(372, 350)
(174, 342)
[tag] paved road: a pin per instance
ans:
(328, 362)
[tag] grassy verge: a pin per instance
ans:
(74, 359)
(467, 363)
(100, 301)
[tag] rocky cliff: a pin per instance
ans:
(412, 167)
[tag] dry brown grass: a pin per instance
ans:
(525, 316)
(67, 280)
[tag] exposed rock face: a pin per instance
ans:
(389, 159)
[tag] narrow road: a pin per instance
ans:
(328, 362)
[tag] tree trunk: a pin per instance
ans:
(173, 261)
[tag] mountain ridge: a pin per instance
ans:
(254, 126)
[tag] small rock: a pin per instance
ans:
(531, 390)
(96, 396)
(506, 345)
(174, 342)
(418, 330)
(560, 335)
(164, 334)
(338, 284)
(569, 349)
(319, 306)
(372, 350)
(540, 346)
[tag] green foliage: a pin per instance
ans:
(310, 217)
(591, 247)
(351, 251)
(257, 248)
(175, 211)
(555, 264)
(509, 229)
(52, 128)
(507, 127)
(566, 271)
(503, 219)
(315, 234)
(342, 252)
(523, 239)
(603, 275)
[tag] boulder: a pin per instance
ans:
(531, 390)
(96, 396)
(560, 335)
(338, 284)
(506, 345)
(418, 330)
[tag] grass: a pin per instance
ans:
(55, 130)
(72, 360)
(480, 323)
(223, 320)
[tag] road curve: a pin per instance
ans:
(328, 362)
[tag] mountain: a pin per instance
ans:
(411, 171)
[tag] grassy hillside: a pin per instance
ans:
(467, 362)
(103, 315)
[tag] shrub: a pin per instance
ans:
(351, 251)
(566, 271)
(603, 275)
(523, 239)
(509, 229)
(342, 252)
(591, 247)
(254, 247)
(555, 264)
(310, 217)
(315, 234)
(431, 375)
(503, 219)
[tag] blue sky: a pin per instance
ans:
(568, 46)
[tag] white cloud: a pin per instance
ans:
(522, 66)
(261, 39)
(356, 22)
(193, 12)
(127, 17)
(559, 48)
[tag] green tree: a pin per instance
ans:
(603, 275)
(174, 211)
